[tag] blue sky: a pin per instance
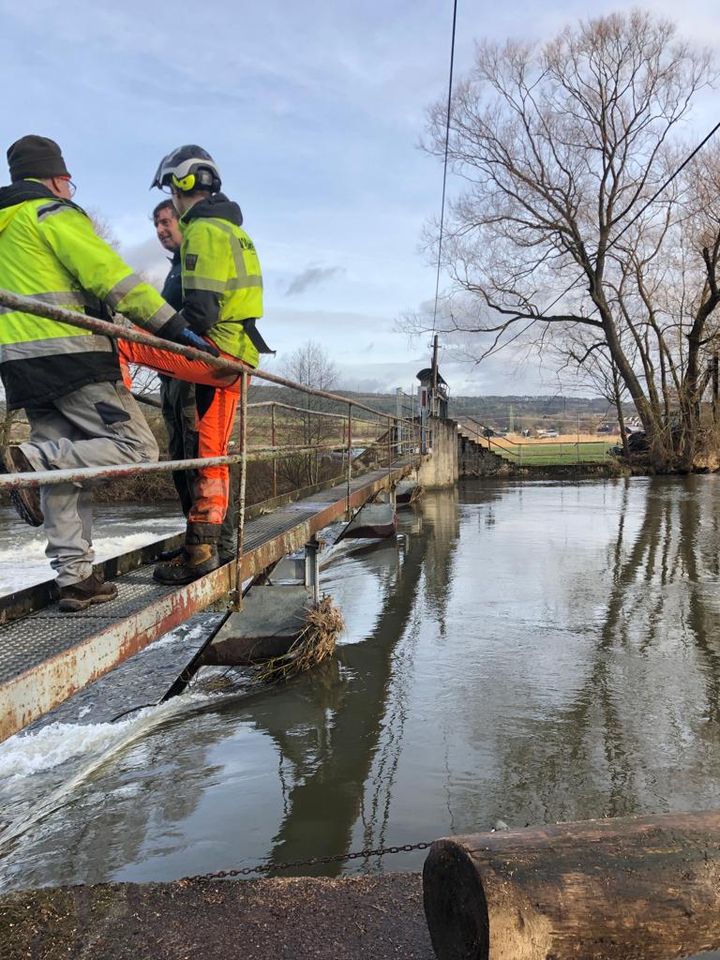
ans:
(313, 111)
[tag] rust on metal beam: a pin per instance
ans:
(37, 690)
(22, 602)
(50, 477)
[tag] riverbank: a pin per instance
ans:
(352, 918)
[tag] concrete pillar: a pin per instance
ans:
(442, 468)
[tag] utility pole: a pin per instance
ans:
(434, 368)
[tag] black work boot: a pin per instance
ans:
(26, 500)
(170, 554)
(195, 561)
(79, 596)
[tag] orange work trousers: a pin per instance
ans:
(216, 416)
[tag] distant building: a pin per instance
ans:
(436, 405)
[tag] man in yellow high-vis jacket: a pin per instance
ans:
(68, 379)
(221, 301)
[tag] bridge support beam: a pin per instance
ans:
(271, 620)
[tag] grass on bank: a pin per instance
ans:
(554, 454)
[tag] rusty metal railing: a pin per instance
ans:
(400, 433)
(537, 452)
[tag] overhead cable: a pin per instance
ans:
(640, 212)
(445, 163)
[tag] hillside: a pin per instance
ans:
(501, 412)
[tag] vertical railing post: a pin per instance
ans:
(242, 487)
(389, 440)
(312, 568)
(398, 421)
(349, 457)
(344, 451)
(273, 441)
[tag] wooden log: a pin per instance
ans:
(636, 888)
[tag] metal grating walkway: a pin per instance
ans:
(47, 656)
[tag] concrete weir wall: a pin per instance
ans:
(477, 461)
(454, 456)
(441, 469)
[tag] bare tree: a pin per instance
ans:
(103, 229)
(310, 365)
(561, 148)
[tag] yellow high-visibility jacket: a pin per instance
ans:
(49, 250)
(221, 278)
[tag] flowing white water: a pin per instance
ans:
(118, 528)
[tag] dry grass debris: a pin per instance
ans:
(314, 644)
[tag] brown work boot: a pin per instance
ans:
(195, 561)
(79, 596)
(26, 500)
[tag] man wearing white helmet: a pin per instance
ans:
(221, 301)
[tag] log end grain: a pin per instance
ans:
(455, 906)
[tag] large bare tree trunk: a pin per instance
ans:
(564, 149)
(632, 889)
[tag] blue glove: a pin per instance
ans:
(193, 340)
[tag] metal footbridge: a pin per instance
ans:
(46, 655)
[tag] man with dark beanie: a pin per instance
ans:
(67, 378)
(32, 154)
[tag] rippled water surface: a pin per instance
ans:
(532, 652)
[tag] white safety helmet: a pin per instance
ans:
(187, 169)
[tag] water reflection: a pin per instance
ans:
(641, 730)
(536, 653)
(352, 713)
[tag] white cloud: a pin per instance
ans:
(313, 112)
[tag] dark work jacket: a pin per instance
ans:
(172, 288)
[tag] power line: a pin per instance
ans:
(640, 212)
(445, 164)
(667, 183)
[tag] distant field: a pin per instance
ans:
(545, 452)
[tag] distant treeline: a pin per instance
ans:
(486, 408)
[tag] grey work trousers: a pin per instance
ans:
(99, 425)
(180, 402)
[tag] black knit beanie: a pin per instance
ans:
(37, 157)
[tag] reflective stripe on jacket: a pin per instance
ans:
(221, 276)
(49, 250)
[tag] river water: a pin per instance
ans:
(526, 652)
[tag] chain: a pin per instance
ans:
(311, 862)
